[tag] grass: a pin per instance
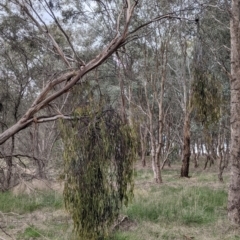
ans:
(194, 208)
(30, 232)
(179, 209)
(53, 232)
(193, 205)
(29, 203)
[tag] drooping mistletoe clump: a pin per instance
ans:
(99, 155)
(206, 96)
(206, 87)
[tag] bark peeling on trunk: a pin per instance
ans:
(234, 187)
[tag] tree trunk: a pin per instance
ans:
(155, 161)
(143, 139)
(158, 166)
(207, 160)
(221, 165)
(213, 150)
(186, 147)
(195, 156)
(155, 154)
(39, 161)
(7, 176)
(161, 120)
(234, 187)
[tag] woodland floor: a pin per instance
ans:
(179, 209)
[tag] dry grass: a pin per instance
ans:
(200, 215)
(183, 209)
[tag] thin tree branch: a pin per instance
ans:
(81, 62)
(46, 31)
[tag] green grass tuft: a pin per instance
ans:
(30, 232)
(193, 205)
(25, 203)
(122, 236)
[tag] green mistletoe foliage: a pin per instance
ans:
(206, 99)
(99, 155)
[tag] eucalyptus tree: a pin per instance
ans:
(234, 190)
(211, 86)
(120, 16)
(153, 74)
(115, 16)
(24, 67)
(181, 75)
(115, 22)
(153, 77)
(19, 73)
(80, 50)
